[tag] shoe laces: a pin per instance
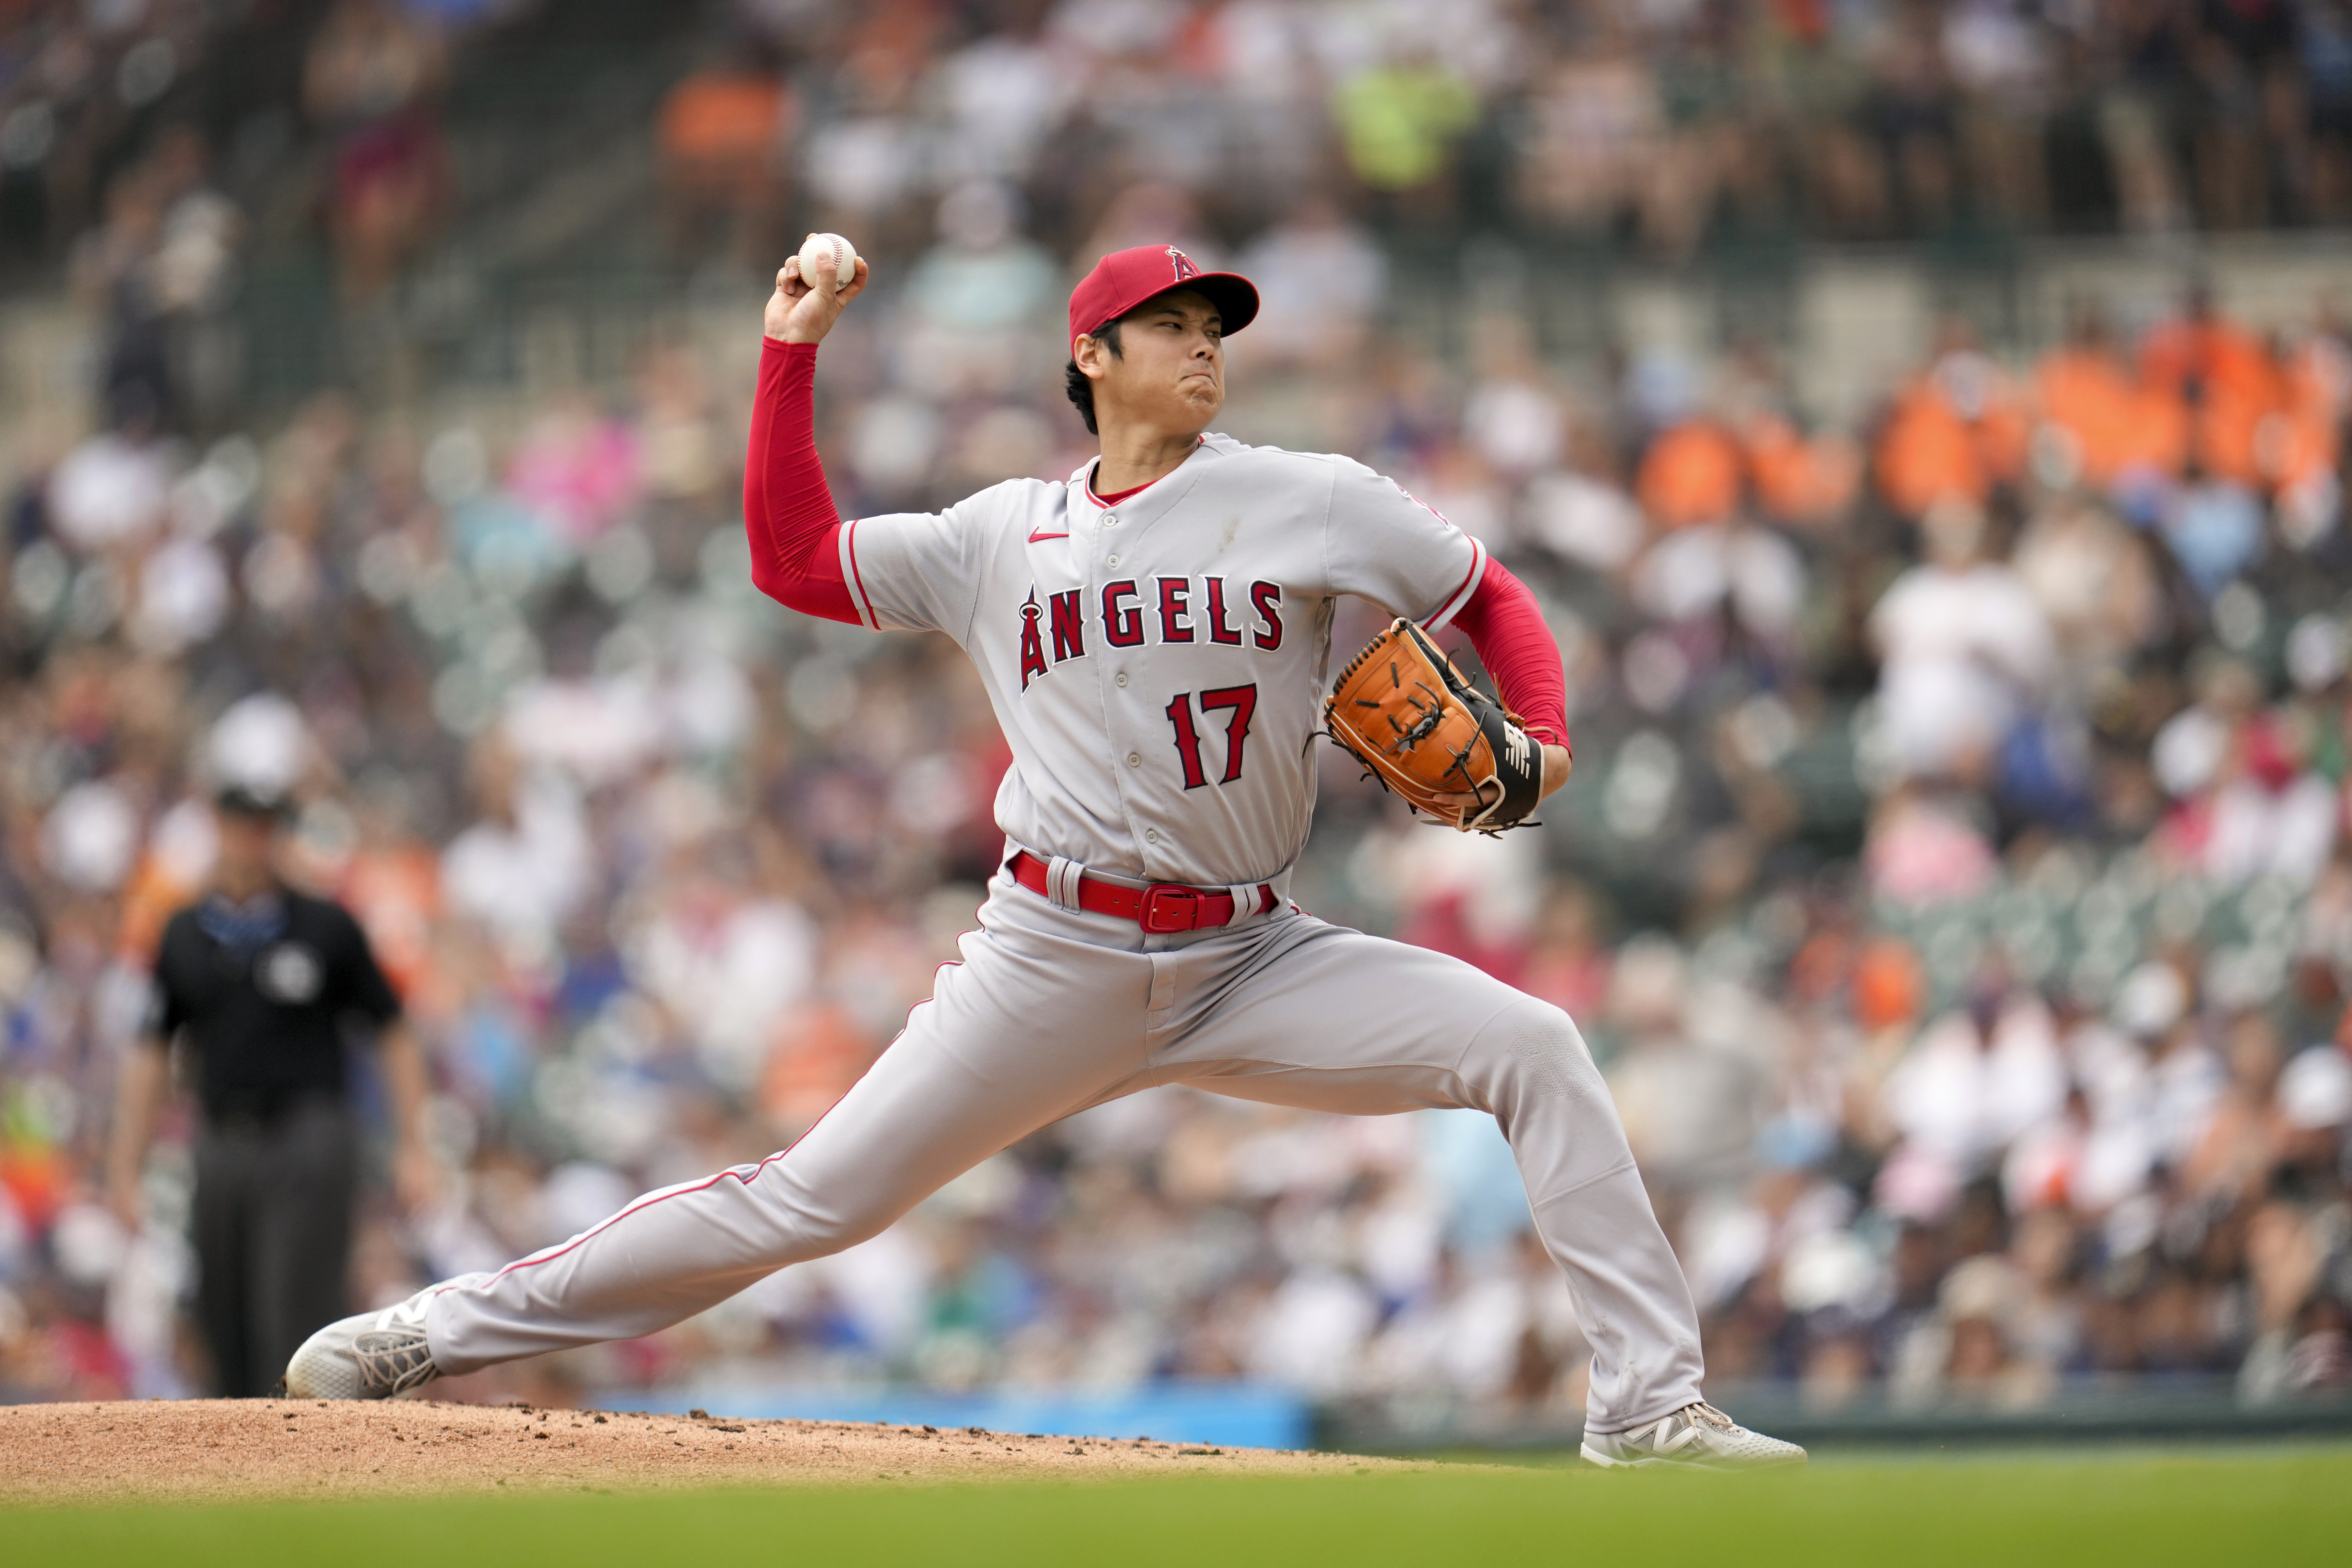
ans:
(1669, 1438)
(396, 1359)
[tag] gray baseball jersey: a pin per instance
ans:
(1157, 665)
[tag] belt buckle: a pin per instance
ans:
(1170, 907)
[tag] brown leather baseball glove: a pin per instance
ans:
(1402, 710)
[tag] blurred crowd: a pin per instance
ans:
(1954, 887)
(1667, 126)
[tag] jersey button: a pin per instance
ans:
(1110, 519)
(1135, 759)
(1114, 560)
(1121, 677)
(1151, 835)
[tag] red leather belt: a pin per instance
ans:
(1161, 908)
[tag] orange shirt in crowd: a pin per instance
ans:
(395, 893)
(817, 1054)
(2302, 441)
(2093, 397)
(1929, 451)
(1797, 480)
(150, 896)
(2121, 421)
(1698, 471)
(1691, 475)
(719, 126)
(2228, 386)
(2208, 349)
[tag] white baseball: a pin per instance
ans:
(827, 262)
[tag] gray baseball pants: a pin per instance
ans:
(1052, 1011)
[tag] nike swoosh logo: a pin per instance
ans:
(1035, 538)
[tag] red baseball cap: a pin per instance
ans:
(1126, 279)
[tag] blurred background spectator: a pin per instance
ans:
(1954, 888)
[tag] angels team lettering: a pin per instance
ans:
(1133, 611)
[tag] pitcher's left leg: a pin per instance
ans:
(1330, 1018)
(1031, 1027)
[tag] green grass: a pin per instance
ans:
(2136, 1509)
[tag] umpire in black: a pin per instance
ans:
(264, 984)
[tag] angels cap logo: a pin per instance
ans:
(1184, 267)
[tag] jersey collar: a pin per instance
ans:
(1106, 502)
(1155, 498)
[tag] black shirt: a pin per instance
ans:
(263, 1002)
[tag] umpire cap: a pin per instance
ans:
(250, 800)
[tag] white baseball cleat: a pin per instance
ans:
(372, 1356)
(1696, 1437)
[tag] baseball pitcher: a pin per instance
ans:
(1154, 633)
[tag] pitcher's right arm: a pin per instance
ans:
(908, 571)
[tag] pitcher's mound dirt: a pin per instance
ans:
(210, 1448)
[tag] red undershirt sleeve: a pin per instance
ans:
(788, 510)
(1507, 626)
